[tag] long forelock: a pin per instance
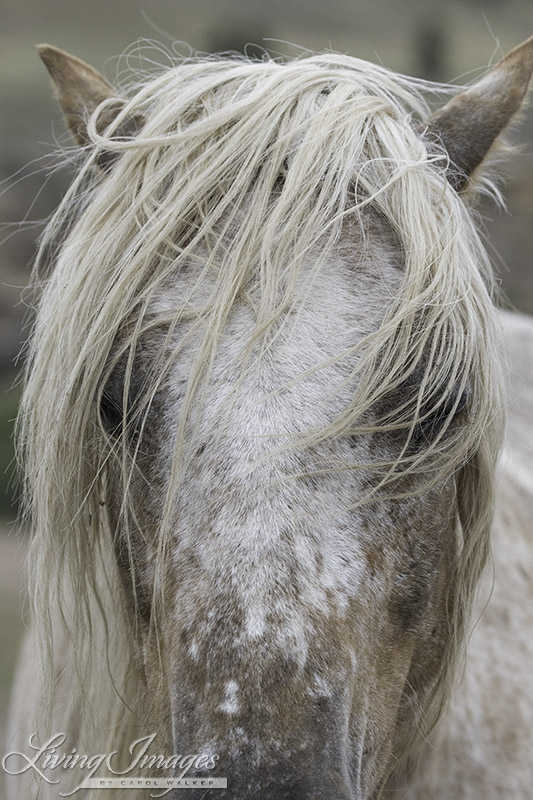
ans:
(254, 169)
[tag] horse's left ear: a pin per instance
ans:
(471, 122)
(80, 90)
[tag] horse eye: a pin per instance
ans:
(431, 424)
(111, 412)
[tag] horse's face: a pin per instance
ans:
(297, 591)
(292, 617)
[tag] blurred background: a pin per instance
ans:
(446, 41)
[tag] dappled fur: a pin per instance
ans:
(276, 287)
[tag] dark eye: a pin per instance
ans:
(121, 412)
(432, 423)
(111, 411)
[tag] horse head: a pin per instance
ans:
(264, 403)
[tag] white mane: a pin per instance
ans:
(252, 170)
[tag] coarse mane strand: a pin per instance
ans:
(252, 170)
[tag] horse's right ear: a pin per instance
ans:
(80, 90)
(470, 124)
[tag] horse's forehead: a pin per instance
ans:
(359, 278)
(336, 305)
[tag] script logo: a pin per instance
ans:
(50, 763)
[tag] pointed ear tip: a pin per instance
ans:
(50, 55)
(44, 50)
(519, 62)
(527, 43)
(520, 53)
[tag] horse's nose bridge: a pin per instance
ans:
(273, 766)
(263, 662)
(274, 734)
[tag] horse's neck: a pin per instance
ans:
(518, 454)
(483, 748)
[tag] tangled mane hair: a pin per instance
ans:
(250, 169)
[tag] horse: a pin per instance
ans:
(265, 443)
